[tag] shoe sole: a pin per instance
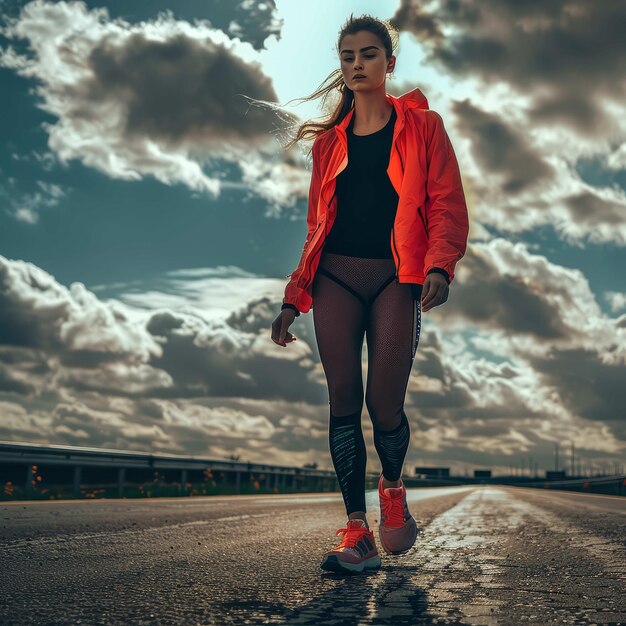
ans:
(334, 564)
(397, 552)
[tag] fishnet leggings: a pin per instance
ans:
(354, 298)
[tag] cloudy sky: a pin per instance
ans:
(149, 217)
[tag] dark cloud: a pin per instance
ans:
(9, 383)
(498, 296)
(161, 97)
(500, 148)
(166, 355)
(586, 386)
(181, 90)
(543, 318)
(566, 55)
(25, 322)
(173, 380)
(593, 210)
(39, 313)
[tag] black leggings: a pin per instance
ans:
(356, 297)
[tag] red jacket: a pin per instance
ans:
(431, 226)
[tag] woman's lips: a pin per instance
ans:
(359, 77)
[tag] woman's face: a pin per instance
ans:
(363, 53)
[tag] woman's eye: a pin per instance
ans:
(367, 56)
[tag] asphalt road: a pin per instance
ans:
(486, 555)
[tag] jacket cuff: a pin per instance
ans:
(439, 270)
(290, 306)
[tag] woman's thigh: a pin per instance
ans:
(339, 322)
(344, 289)
(393, 328)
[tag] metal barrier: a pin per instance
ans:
(611, 485)
(23, 478)
(101, 462)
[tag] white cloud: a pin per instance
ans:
(162, 98)
(184, 378)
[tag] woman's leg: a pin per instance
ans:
(392, 331)
(344, 289)
(338, 316)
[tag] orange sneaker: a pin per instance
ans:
(397, 528)
(356, 552)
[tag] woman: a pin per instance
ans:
(387, 223)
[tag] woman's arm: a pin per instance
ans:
(291, 291)
(446, 209)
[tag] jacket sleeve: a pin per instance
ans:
(446, 210)
(291, 289)
(439, 270)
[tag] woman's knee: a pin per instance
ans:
(345, 398)
(383, 414)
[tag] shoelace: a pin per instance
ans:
(393, 510)
(351, 536)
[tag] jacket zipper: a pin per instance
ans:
(401, 160)
(393, 232)
(300, 282)
(393, 235)
(393, 238)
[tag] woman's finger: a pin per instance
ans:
(431, 294)
(436, 298)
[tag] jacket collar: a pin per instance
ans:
(414, 99)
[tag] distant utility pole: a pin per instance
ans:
(573, 471)
(556, 456)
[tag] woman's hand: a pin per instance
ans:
(435, 291)
(280, 335)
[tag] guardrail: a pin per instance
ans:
(98, 472)
(611, 485)
(47, 471)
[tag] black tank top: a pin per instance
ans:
(366, 199)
